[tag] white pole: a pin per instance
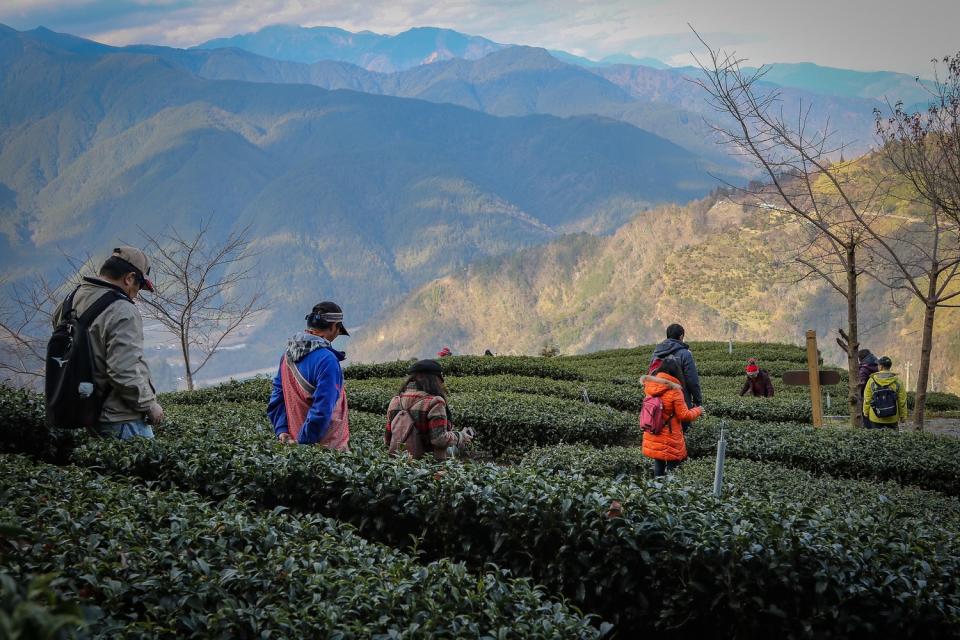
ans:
(730, 346)
(721, 456)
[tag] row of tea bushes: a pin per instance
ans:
(470, 366)
(627, 370)
(167, 564)
(706, 351)
(908, 457)
(508, 421)
(759, 479)
(252, 390)
(623, 397)
(646, 556)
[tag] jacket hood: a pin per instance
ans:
(669, 347)
(885, 378)
(303, 344)
(659, 384)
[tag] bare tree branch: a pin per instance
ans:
(205, 290)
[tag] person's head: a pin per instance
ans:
(326, 320)
(675, 332)
(127, 268)
(671, 367)
(863, 354)
(885, 363)
(427, 375)
(752, 369)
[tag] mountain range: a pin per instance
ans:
(374, 188)
(426, 45)
(350, 196)
(525, 80)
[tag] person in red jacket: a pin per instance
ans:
(668, 448)
(758, 381)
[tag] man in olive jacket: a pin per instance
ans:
(116, 335)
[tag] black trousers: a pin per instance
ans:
(661, 467)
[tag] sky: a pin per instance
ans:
(866, 35)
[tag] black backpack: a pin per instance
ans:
(73, 400)
(884, 400)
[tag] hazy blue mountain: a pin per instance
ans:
(878, 86)
(351, 196)
(300, 44)
(513, 81)
(376, 52)
(618, 58)
(851, 118)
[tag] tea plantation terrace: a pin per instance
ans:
(819, 533)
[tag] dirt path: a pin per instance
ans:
(944, 426)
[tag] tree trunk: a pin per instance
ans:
(854, 401)
(188, 373)
(923, 376)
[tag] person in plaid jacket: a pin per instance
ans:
(424, 397)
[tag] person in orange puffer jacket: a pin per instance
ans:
(668, 448)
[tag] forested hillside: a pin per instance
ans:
(716, 266)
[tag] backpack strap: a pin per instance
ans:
(98, 307)
(308, 388)
(67, 308)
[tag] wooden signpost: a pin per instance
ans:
(813, 377)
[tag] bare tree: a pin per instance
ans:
(805, 186)
(26, 317)
(200, 296)
(924, 147)
(922, 254)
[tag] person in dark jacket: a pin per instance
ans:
(758, 381)
(869, 365)
(675, 347)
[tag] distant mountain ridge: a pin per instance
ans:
(525, 80)
(426, 45)
(372, 51)
(350, 196)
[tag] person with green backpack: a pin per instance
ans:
(884, 398)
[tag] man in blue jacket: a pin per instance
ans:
(675, 347)
(308, 404)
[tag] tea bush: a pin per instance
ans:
(646, 556)
(706, 351)
(909, 458)
(508, 421)
(760, 479)
(222, 571)
(469, 366)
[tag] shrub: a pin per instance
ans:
(909, 458)
(649, 556)
(470, 366)
(762, 480)
(508, 421)
(169, 564)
